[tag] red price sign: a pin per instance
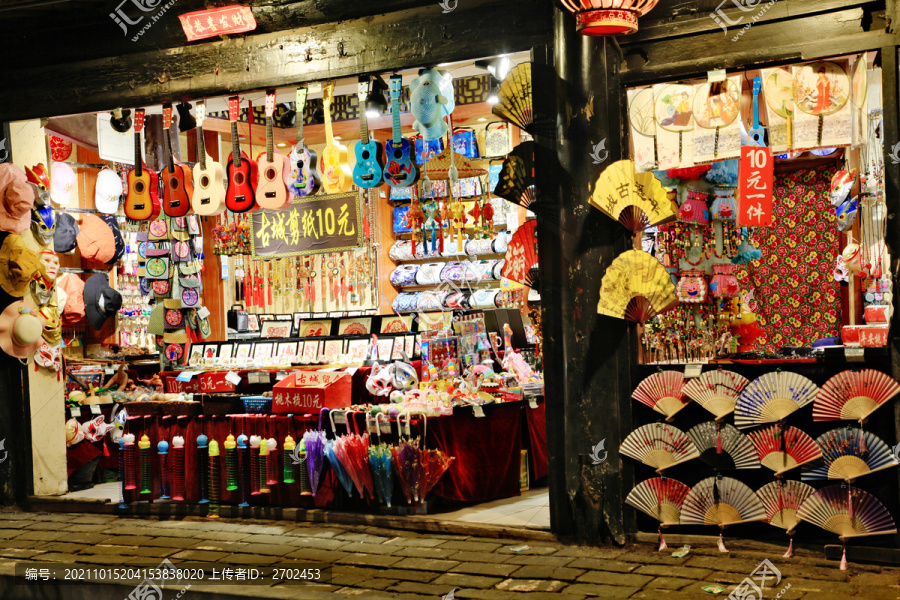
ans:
(755, 189)
(202, 24)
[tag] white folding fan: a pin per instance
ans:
(659, 445)
(661, 498)
(771, 397)
(716, 391)
(721, 501)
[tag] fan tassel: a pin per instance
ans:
(662, 540)
(844, 557)
(721, 544)
(790, 550)
(718, 437)
(862, 439)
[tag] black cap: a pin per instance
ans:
(66, 230)
(120, 242)
(100, 301)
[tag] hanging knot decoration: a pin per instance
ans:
(607, 17)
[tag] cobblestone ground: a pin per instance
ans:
(380, 563)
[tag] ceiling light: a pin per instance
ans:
(281, 144)
(498, 67)
(481, 119)
(376, 101)
(493, 96)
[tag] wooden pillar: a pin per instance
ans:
(586, 355)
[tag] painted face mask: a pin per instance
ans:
(840, 186)
(52, 328)
(38, 176)
(846, 213)
(42, 288)
(51, 263)
(43, 224)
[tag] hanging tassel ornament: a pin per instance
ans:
(790, 550)
(843, 555)
(662, 540)
(746, 252)
(862, 438)
(718, 437)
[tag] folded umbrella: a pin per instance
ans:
(335, 462)
(315, 453)
(380, 459)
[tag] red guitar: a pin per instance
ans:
(178, 182)
(142, 201)
(242, 171)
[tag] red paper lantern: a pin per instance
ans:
(608, 17)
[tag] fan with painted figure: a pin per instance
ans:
(515, 97)
(521, 260)
(516, 179)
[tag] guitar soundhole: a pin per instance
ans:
(173, 184)
(365, 155)
(397, 154)
(204, 181)
(270, 174)
(300, 165)
(238, 178)
(139, 187)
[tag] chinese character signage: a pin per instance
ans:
(310, 225)
(755, 187)
(202, 24)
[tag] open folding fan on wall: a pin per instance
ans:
(661, 498)
(722, 446)
(783, 448)
(515, 105)
(848, 453)
(771, 397)
(516, 179)
(853, 395)
(721, 501)
(521, 260)
(636, 287)
(782, 499)
(636, 200)
(847, 511)
(716, 391)
(663, 392)
(659, 445)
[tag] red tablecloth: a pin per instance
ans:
(487, 451)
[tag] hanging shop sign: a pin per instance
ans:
(757, 171)
(310, 225)
(202, 24)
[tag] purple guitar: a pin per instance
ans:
(400, 170)
(304, 176)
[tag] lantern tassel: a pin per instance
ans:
(843, 556)
(790, 550)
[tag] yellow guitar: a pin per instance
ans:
(335, 168)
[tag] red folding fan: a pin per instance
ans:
(521, 256)
(853, 395)
(781, 449)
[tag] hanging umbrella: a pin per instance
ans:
(432, 464)
(315, 453)
(380, 462)
(353, 451)
(335, 462)
(406, 463)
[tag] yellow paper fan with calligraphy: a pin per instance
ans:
(636, 200)
(636, 287)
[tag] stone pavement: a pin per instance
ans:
(380, 563)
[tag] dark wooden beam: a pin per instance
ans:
(378, 44)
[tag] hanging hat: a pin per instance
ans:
(100, 301)
(16, 199)
(62, 183)
(21, 327)
(74, 434)
(73, 312)
(64, 240)
(113, 224)
(107, 191)
(96, 240)
(17, 265)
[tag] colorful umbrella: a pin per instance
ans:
(315, 453)
(331, 455)
(353, 451)
(432, 463)
(406, 463)
(380, 462)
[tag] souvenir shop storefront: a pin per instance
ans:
(303, 292)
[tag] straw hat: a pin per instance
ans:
(16, 199)
(17, 265)
(21, 327)
(74, 434)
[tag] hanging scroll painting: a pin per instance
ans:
(717, 114)
(821, 96)
(675, 125)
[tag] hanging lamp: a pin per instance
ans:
(608, 17)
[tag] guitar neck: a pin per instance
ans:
(395, 119)
(756, 110)
(167, 143)
(270, 151)
(329, 134)
(201, 148)
(138, 155)
(363, 124)
(299, 110)
(235, 146)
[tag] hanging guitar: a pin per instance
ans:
(242, 171)
(336, 177)
(142, 201)
(368, 167)
(304, 176)
(271, 191)
(178, 183)
(209, 187)
(401, 170)
(757, 133)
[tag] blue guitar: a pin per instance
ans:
(368, 167)
(401, 170)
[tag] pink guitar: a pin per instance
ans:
(272, 191)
